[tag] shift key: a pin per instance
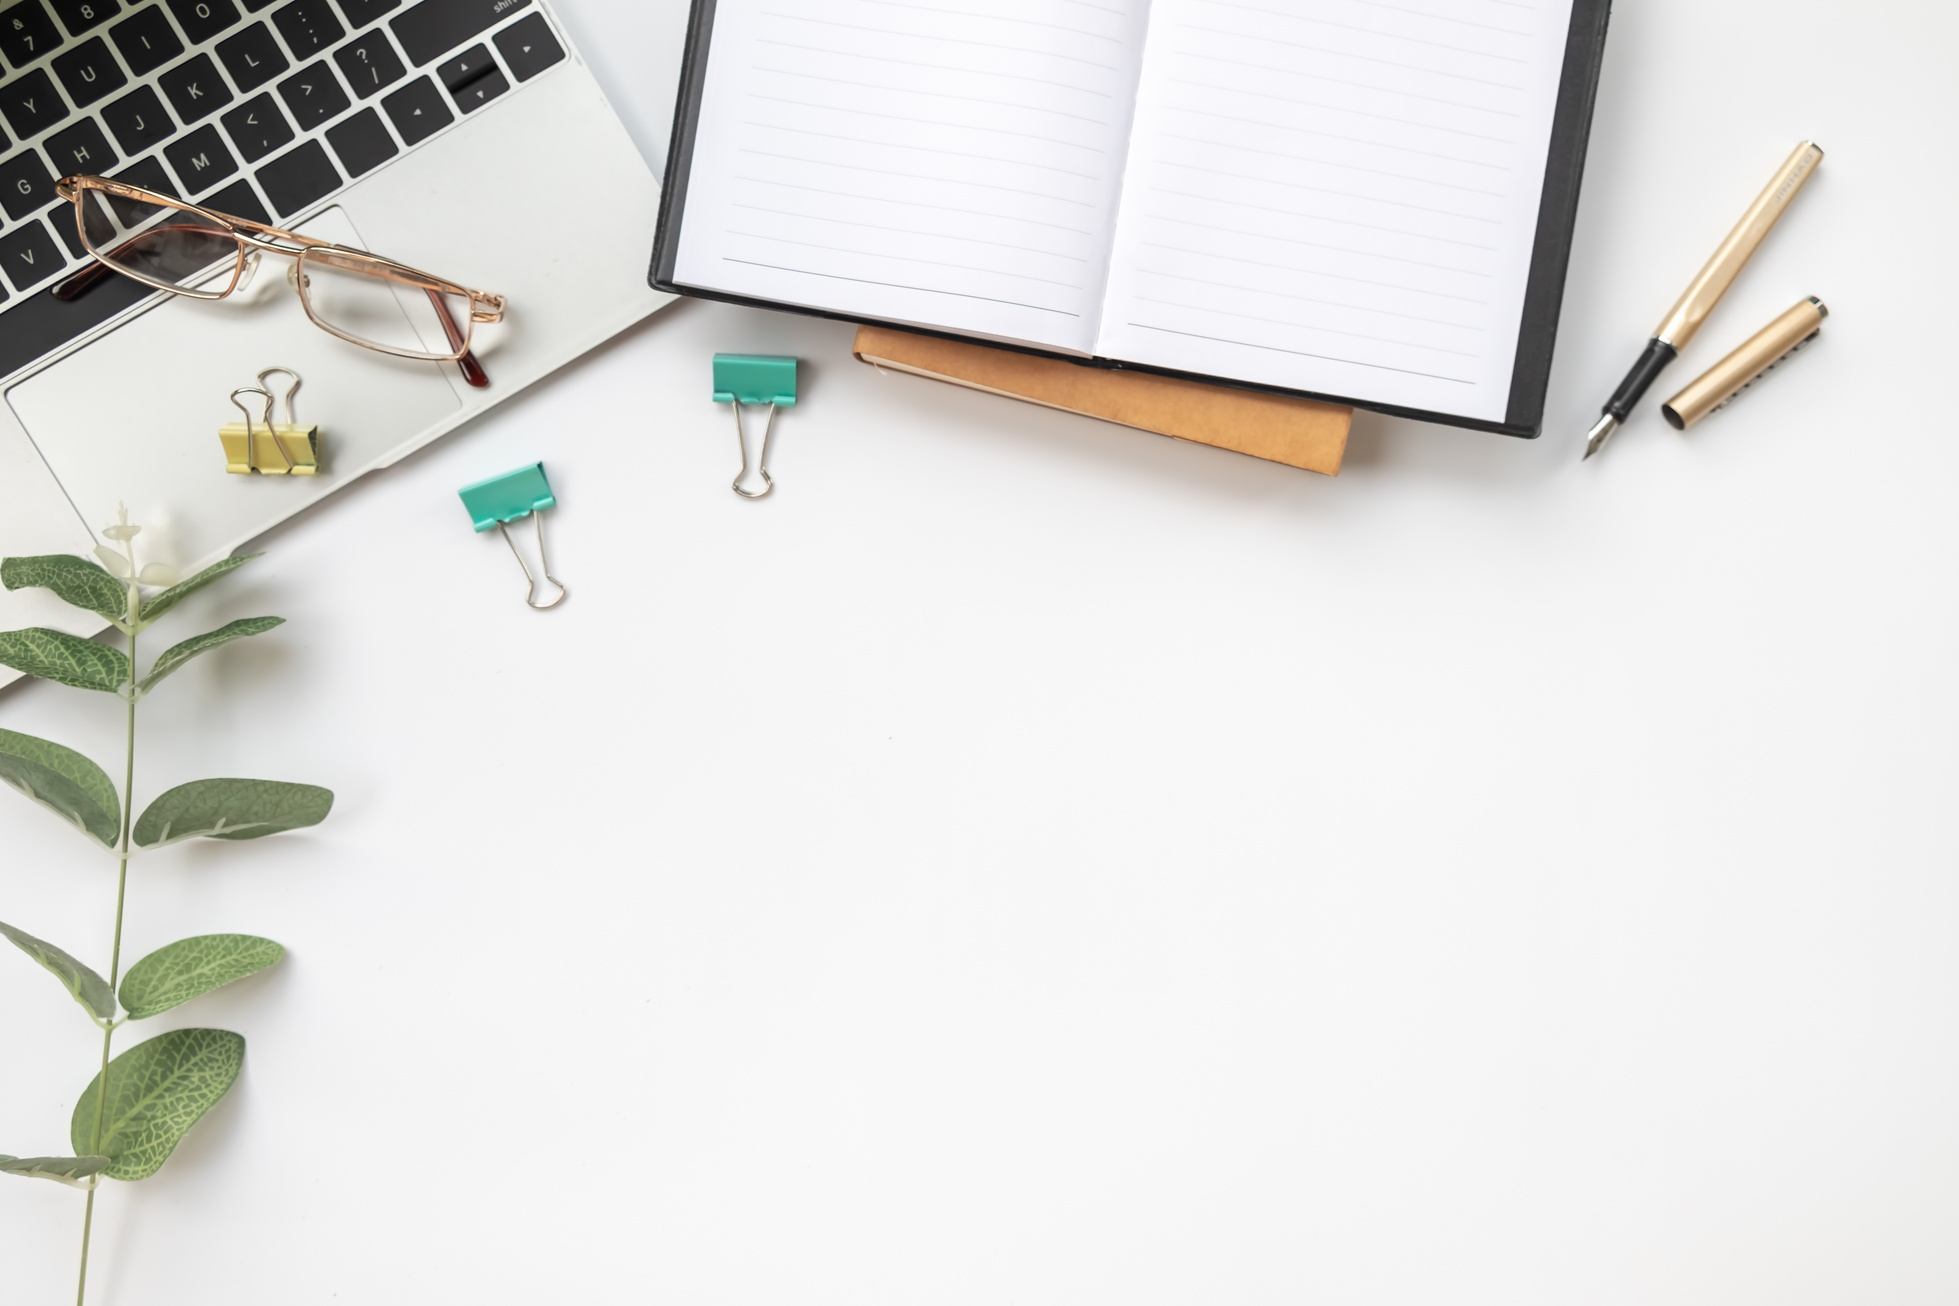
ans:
(434, 27)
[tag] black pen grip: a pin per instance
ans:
(1651, 363)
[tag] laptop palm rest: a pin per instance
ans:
(133, 418)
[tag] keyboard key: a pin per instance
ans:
(362, 142)
(252, 57)
(362, 12)
(257, 128)
(200, 160)
(435, 27)
(418, 110)
(474, 95)
(308, 26)
(369, 63)
(5, 144)
(147, 40)
(80, 15)
(25, 184)
(31, 103)
(80, 148)
(149, 174)
(466, 67)
(529, 47)
(195, 89)
(26, 33)
(62, 218)
(29, 255)
(314, 95)
(294, 180)
(89, 72)
(138, 119)
(39, 326)
(238, 200)
(204, 19)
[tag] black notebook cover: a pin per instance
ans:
(1543, 295)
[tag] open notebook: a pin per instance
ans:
(1366, 201)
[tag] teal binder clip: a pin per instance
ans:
(506, 498)
(755, 379)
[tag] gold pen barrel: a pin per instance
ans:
(1706, 289)
(1741, 369)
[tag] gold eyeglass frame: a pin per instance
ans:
(258, 238)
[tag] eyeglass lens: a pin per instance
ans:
(159, 243)
(355, 298)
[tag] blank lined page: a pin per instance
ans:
(1338, 195)
(953, 163)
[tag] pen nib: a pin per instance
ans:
(1600, 434)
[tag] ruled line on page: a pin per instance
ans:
(1337, 81)
(911, 231)
(1329, 163)
(948, 40)
(996, 18)
(930, 122)
(923, 149)
(899, 285)
(1342, 54)
(1316, 244)
(1214, 284)
(938, 67)
(1320, 217)
(1307, 326)
(912, 176)
(901, 258)
(937, 95)
(1351, 140)
(1325, 190)
(1372, 31)
(1335, 108)
(1314, 272)
(1301, 353)
(1440, 18)
(915, 204)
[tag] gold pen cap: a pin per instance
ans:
(1717, 387)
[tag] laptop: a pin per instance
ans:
(465, 138)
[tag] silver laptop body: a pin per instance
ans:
(463, 137)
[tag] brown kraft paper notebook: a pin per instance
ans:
(1297, 432)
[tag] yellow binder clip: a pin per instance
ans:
(268, 447)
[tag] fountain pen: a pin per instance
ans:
(1705, 291)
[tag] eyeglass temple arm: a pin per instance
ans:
(471, 369)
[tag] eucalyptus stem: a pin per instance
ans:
(115, 949)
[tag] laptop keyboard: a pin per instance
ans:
(249, 107)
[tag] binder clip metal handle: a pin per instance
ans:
(741, 442)
(502, 500)
(295, 447)
(755, 379)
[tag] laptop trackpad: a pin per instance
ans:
(133, 418)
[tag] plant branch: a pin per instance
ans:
(115, 949)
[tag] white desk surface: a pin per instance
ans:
(1031, 861)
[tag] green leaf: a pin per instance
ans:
(75, 581)
(173, 975)
(64, 782)
(83, 984)
(68, 659)
(176, 594)
(175, 657)
(157, 1091)
(231, 809)
(70, 1170)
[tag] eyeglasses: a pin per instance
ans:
(362, 298)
